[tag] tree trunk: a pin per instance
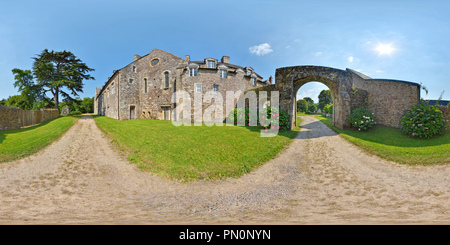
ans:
(55, 96)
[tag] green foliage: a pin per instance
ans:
(275, 118)
(325, 98)
(312, 108)
(57, 70)
(73, 113)
(85, 105)
(362, 118)
(328, 109)
(423, 121)
(302, 106)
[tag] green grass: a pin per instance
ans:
(391, 144)
(20, 143)
(192, 152)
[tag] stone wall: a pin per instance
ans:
(14, 117)
(388, 99)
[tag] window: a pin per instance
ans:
(198, 87)
(211, 64)
(154, 62)
(215, 88)
(145, 85)
(131, 80)
(253, 81)
(112, 88)
(134, 68)
(166, 79)
(193, 72)
(223, 73)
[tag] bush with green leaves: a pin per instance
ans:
(274, 117)
(328, 109)
(423, 121)
(243, 116)
(362, 118)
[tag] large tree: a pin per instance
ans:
(55, 71)
(325, 98)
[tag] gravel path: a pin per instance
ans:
(319, 179)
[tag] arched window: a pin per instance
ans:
(145, 85)
(166, 79)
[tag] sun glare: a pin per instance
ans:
(385, 49)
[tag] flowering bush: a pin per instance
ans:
(270, 120)
(243, 116)
(362, 118)
(423, 121)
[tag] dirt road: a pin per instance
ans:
(319, 179)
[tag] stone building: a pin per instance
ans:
(144, 88)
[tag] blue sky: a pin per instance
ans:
(263, 34)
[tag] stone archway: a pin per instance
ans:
(388, 99)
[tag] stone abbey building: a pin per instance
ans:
(144, 88)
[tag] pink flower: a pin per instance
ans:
(248, 124)
(262, 124)
(271, 127)
(248, 113)
(262, 117)
(279, 127)
(265, 130)
(249, 120)
(426, 127)
(413, 134)
(235, 122)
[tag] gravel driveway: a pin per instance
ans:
(319, 179)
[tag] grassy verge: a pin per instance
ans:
(20, 143)
(187, 153)
(391, 144)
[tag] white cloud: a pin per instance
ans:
(318, 53)
(350, 59)
(261, 49)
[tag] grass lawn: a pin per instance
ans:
(192, 152)
(393, 145)
(20, 143)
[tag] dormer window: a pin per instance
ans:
(223, 71)
(193, 72)
(253, 81)
(193, 68)
(211, 64)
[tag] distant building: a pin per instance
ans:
(144, 88)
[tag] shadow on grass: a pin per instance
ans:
(5, 133)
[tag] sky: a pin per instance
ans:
(263, 34)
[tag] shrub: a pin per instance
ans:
(423, 121)
(73, 113)
(243, 114)
(362, 118)
(271, 119)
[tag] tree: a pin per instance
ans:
(325, 98)
(309, 100)
(57, 70)
(302, 105)
(29, 91)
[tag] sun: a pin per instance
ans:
(385, 49)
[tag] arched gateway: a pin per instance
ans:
(388, 99)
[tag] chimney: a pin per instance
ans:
(270, 80)
(136, 57)
(226, 59)
(188, 58)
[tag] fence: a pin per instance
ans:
(14, 117)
